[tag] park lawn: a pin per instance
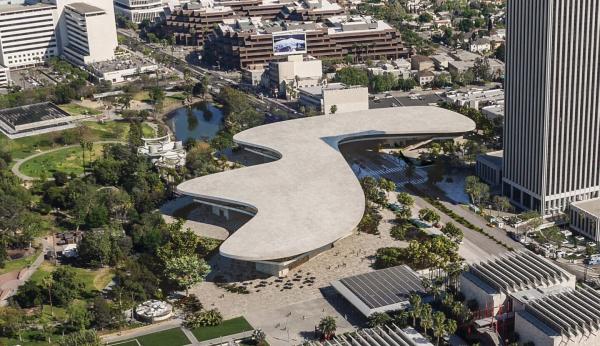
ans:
(67, 160)
(148, 131)
(20, 263)
(171, 337)
(228, 327)
(168, 102)
(76, 109)
(20, 148)
(93, 280)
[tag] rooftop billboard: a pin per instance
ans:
(285, 43)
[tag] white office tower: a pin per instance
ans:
(86, 30)
(552, 125)
(139, 10)
(27, 34)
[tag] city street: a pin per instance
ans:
(476, 246)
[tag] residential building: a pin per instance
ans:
(139, 10)
(441, 61)
(480, 45)
(425, 77)
(421, 63)
(237, 43)
(344, 98)
(463, 55)
(551, 142)
(286, 77)
(27, 34)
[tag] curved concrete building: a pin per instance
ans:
(309, 198)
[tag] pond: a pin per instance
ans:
(202, 121)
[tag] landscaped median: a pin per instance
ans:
(461, 220)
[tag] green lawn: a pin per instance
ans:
(23, 147)
(67, 160)
(171, 337)
(19, 264)
(94, 280)
(228, 327)
(75, 109)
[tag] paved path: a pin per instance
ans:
(9, 286)
(16, 168)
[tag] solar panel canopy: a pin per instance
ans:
(382, 290)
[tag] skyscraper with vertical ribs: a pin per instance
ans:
(552, 124)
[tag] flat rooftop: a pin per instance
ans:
(591, 206)
(6, 9)
(493, 158)
(381, 290)
(31, 114)
(310, 197)
(83, 8)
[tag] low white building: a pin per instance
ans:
(476, 99)
(344, 98)
(123, 67)
(488, 167)
(284, 78)
(584, 217)
(163, 152)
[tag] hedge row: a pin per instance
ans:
(461, 220)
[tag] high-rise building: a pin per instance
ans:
(552, 125)
(27, 34)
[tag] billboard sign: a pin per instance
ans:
(285, 43)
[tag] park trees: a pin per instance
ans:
(352, 76)
(239, 112)
(439, 325)
(378, 319)
(186, 270)
(429, 215)
(477, 190)
(453, 232)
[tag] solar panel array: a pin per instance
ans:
(384, 287)
(518, 271)
(569, 313)
(379, 336)
(31, 114)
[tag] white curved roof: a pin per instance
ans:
(310, 197)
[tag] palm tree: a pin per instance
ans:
(415, 302)
(439, 326)
(327, 326)
(426, 317)
(451, 327)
